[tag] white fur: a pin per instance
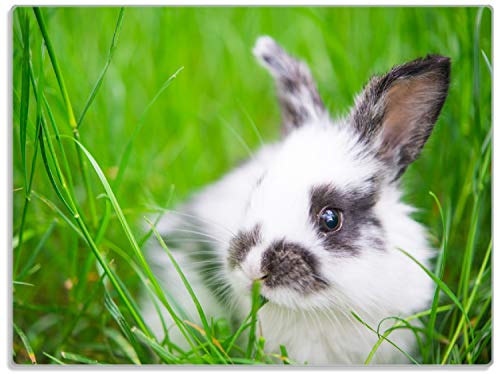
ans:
(272, 190)
(318, 328)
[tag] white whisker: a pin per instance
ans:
(199, 233)
(210, 222)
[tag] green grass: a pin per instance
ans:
(122, 119)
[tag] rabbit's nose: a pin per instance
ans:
(252, 265)
(290, 265)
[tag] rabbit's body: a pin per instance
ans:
(317, 217)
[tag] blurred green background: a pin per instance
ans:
(202, 125)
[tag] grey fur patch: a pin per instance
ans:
(203, 255)
(297, 92)
(241, 244)
(357, 215)
(291, 265)
(212, 271)
(410, 112)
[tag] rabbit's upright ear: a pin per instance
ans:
(297, 93)
(396, 113)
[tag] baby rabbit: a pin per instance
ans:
(317, 217)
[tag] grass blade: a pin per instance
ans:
(440, 266)
(59, 212)
(36, 251)
(26, 343)
(477, 282)
(70, 205)
(125, 346)
(198, 306)
(111, 52)
(256, 305)
(23, 123)
(165, 355)
(56, 360)
(385, 338)
(55, 65)
(284, 355)
(137, 251)
(123, 324)
(69, 108)
(124, 160)
(441, 285)
(79, 358)
(25, 88)
(400, 322)
(487, 61)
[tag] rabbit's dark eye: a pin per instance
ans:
(330, 219)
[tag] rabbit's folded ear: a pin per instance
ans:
(396, 113)
(297, 93)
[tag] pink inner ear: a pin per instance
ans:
(408, 105)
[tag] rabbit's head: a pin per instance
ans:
(324, 221)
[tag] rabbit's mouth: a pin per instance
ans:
(291, 266)
(280, 265)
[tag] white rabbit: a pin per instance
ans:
(318, 218)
